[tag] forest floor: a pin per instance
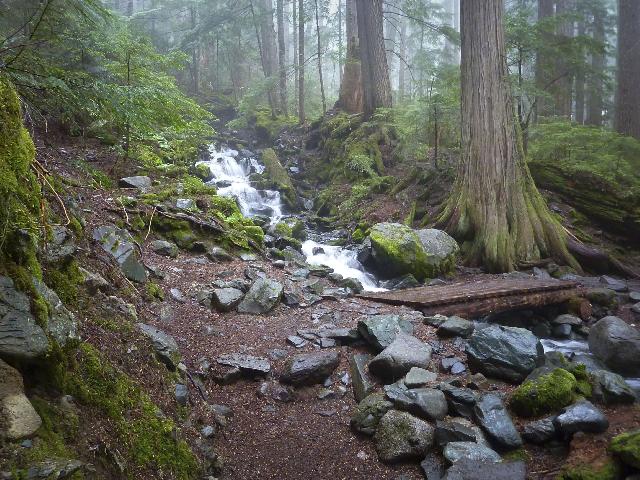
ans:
(303, 438)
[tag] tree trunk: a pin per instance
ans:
(544, 65)
(627, 119)
(340, 42)
(195, 56)
(282, 58)
(390, 42)
(375, 72)
(324, 101)
(295, 51)
(301, 61)
(350, 98)
(580, 92)
(562, 87)
(495, 210)
(403, 54)
(595, 88)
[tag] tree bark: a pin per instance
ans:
(324, 101)
(627, 119)
(282, 57)
(340, 42)
(495, 209)
(403, 54)
(595, 88)
(544, 65)
(580, 83)
(295, 51)
(350, 98)
(562, 86)
(375, 72)
(301, 61)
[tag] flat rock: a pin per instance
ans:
(582, 416)
(456, 451)
(165, 345)
(494, 419)
(248, 364)
(427, 403)
(454, 430)
(226, 299)
(140, 182)
(262, 297)
(539, 431)
(482, 470)
(507, 353)
(617, 344)
(368, 412)
(164, 248)
(610, 388)
(419, 377)
(401, 436)
(362, 383)
(567, 319)
(455, 327)
(120, 245)
(404, 353)
(381, 330)
(310, 368)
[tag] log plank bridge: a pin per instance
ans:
(484, 296)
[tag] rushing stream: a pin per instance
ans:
(231, 172)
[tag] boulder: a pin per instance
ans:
(546, 394)
(226, 299)
(164, 248)
(368, 413)
(441, 249)
(362, 383)
(248, 364)
(508, 353)
(626, 446)
(139, 182)
(404, 353)
(617, 344)
(18, 418)
(494, 419)
(466, 469)
(582, 416)
(20, 337)
(262, 297)
(310, 368)
(120, 245)
(164, 345)
(539, 431)
(381, 330)
(455, 327)
(461, 401)
(401, 436)
(426, 403)
(610, 388)
(456, 451)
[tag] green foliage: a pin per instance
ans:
(278, 177)
(155, 291)
(64, 279)
(545, 394)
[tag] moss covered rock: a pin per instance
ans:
(609, 470)
(545, 394)
(627, 447)
(279, 178)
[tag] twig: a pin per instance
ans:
(43, 175)
(196, 385)
(150, 222)
(126, 215)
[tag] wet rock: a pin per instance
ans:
(455, 327)
(139, 182)
(248, 364)
(61, 323)
(561, 331)
(604, 297)
(494, 419)
(310, 368)
(362, 384)
(454, 430)
(401, 436)
(262, 297)
(617, 344)
(634, 296)
(582, 416)
(164, 345)
(182, 394)
(610, 388)
(60, 247)
(120, 245)
(226, 299)
(401, 283)
(368, 412)
(19, 418)
(400, 356)
(507, 353)
(441, 250)
(20, 337)
(353, 284)
(219, 254)
(614, 284)
(567, 319)
(164, 248)
(381, 330)
(460, 400)
(433, 466)
(539, 431)
(456, 451)
(466, 469)
(426, 403)
(419, 377)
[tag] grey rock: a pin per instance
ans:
(461, 401)
(539, 431)
(494, 419)
(401, 436)
(567, 319)
(19, 418)
(507, 353)
(182, 394)
(60, 247)
(634, 296)
(140, 182)
(457, 368)
(636, 308)
(362, 383)
(20, 337)
(426, 403)
(296, 341)
(456, 451)
(419, 377)
(61, 324)
(54, 469)
(381, 330)
(617, 344)
(310, 368)
(433, 466)
(477, 470)
(561, 331)
(262, 297)
(435, 320)
(454, 430)
(120, 245)
(208, 431)
(164, 345)
(164, 248)
(400, 356)
(185, 204)
(455, 327)
(368, 412)
(582, 416)
(613, 283)
(226, 299)
(440, 248)
(218, 254)
(248, 364)
(177, 295)
(610, 388)
(94, 282)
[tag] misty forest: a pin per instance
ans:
(320, 239)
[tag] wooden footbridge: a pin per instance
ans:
(480, 297)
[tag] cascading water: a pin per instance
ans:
(231, 174)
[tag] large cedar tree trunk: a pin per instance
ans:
(563, 80)
(375, 72)
(319, 53)
(350, 99)
(495, 209)
(595, 91)
(282, 58)
(268, 50)
(544, 64)
(627, 120)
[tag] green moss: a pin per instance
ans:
(267, 127)
(608, 471)
(546, 394)
(283, 229)
(155, 291)
(146, 437)
(359, 234)
(298, 230)
(65, 281)
(627, 447)
(278, 177)
(179, 231)
(224, 206)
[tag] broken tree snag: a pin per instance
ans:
(480, 297)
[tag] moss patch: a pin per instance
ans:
(65, 280)
(278, 177)
(627, 447)
(546, 394)
(608, 471)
